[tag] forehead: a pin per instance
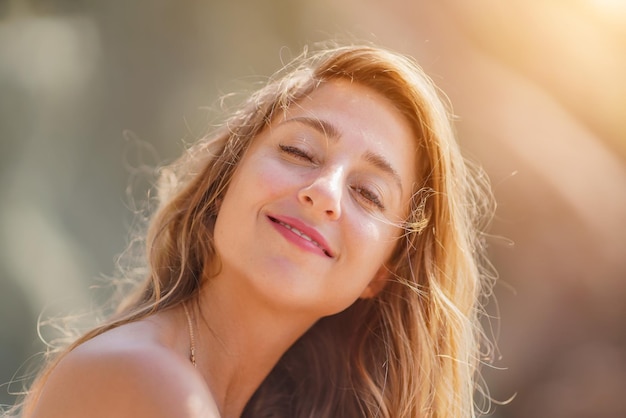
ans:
(349, 101)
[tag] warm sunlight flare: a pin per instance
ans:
(609, 6)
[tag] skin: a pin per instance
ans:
(339, 166)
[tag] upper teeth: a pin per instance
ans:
(301, 234)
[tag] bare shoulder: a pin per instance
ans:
(113, 375)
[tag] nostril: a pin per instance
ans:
(323, 200)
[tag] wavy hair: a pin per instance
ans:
(414, 349)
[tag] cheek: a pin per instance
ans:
(373, 241)
(270, 178)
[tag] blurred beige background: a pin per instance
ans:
(91, 91)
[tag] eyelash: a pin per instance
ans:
(366, 194)
(370, 197)
(297, 152)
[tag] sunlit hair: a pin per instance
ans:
(411, 351)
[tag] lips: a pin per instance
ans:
(304, 232)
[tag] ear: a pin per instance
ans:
(377, 283)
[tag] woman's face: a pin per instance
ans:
(311, 213)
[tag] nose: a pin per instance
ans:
(323, 194)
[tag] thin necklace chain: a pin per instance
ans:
(192, 340)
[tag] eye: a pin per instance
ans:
(297, 153)
(369, 196)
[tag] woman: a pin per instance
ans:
(319, 256)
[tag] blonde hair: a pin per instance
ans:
(414, 349)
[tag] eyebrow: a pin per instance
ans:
(324, 127)
(331, 132)
(382, 164)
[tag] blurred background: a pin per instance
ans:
(92, 91)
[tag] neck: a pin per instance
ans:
(239, 341)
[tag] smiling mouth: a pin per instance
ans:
(301, 235)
